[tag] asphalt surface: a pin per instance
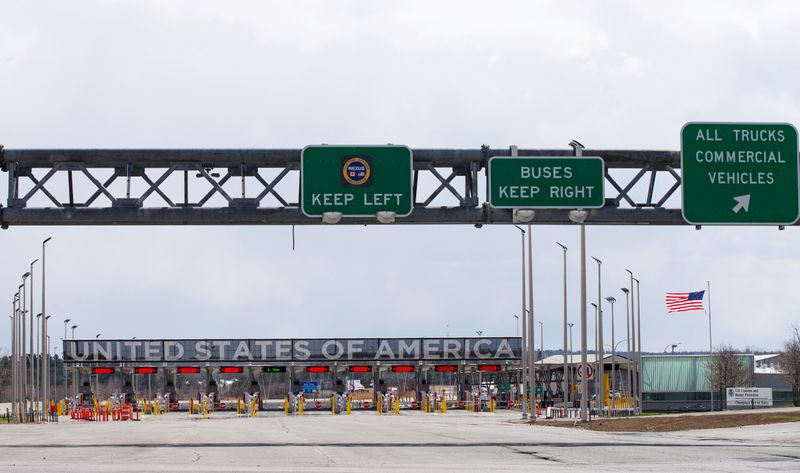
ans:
(365, 441)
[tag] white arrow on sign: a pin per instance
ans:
(742, 202)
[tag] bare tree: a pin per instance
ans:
(790, 364)
(726, 370)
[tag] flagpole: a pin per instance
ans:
(710, 345)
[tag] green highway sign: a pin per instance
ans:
(740, 173)
(546, 182)
(357, 181)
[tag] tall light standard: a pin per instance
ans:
(601, 365)
(37, 367)
(44, 362)
(634, 375)
(628, 339)
(73, 331)
(13, 318)
(20, 333)
(517, 317)
(531, 317)
(524, 347)
(596, 358)
(579, 217)
(673, 345)
(45, 346)
(24, 353)
(611, 300)
(64, 365)
(35, 384)
(565, 380)
(639, 345)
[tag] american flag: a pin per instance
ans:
(685, 301)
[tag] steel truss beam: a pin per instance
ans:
(215, 172)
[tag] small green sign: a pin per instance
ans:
(538, 390)
(546, 182)
(357, 181)
(505, 387)
(740, 173)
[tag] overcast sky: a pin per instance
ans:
(203, 74)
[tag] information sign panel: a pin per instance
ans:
(546, 182)
(358, 181)
(740, 173)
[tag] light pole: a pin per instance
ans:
(479, 332)
(634, 375)
(596, 357)
(24, 351)
(13, 359)
(611, 300)
(601, 365)
(45, 346)
(565, 380)
(44, 362)
(63, 357)
(628, 339)
(517, 317)
(531, 318)
(73, 331)
(524, 342)
(571, 377)
(639, 345)
(673, 345)
(579, 217)
(36, 369)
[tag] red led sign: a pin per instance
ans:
(317, 369)
(361, 369)
(102, 370)
(445, 368)
(489, 368)
(231, 369)
(403, 368)
(188, 369)
(145, 370)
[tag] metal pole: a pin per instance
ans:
(635, 365)
(13, 358)
(36, 370)
(564, 379)
(46, 347)
(627, 340)
(600, 353)
(584, 381)
(24, 352)
(710, 346)
(63, 357)
(531, 353)
(596, 358)
(524, 347)
(639, 345)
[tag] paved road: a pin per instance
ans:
(457, 441)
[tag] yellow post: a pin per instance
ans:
(333, 404)
(286, 405)
(378, 405)
(300, 401)
(444, 403)
(348, 405)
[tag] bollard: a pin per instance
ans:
(286, 405)
(444, 403)
(348, 404)
(333, 404)
(300, 401)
